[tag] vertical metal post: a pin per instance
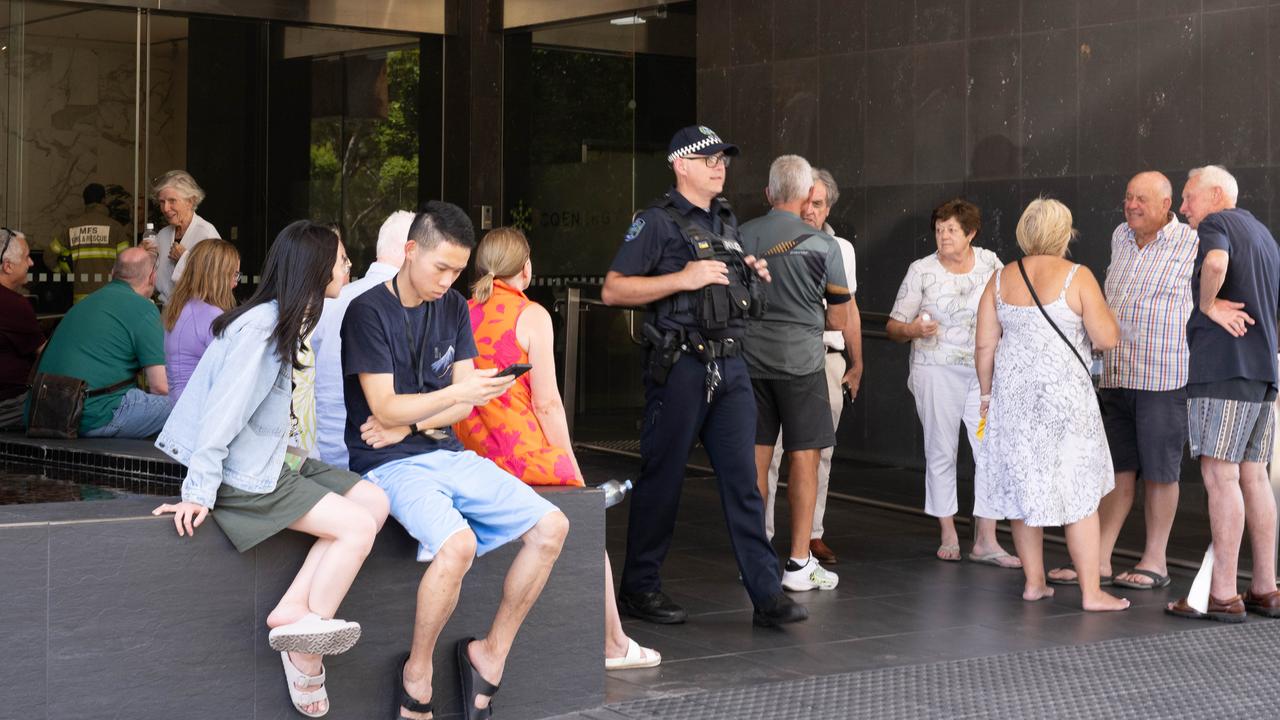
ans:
(137, 114)
(572, 326)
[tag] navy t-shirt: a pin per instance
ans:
(1253, 278)
(375, 341)
(655, 246)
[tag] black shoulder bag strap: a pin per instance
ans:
(1052, 324)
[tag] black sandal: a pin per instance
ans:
(473, 684)
(404, 699)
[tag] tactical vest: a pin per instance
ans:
(714, 309)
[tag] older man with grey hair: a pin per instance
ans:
(843, 366)
(1231, 390)
(786, 356)
(1144, 378)
(20, 335)
(326, 341)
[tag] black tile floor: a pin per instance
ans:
(896, 605)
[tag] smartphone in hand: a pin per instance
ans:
(514, 370)
(848, 394)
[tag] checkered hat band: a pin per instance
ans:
(692, 148)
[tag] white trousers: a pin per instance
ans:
(835, 370)
(947, 395)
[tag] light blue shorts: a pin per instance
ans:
(437, 494)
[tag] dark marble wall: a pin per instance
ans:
(910, 103)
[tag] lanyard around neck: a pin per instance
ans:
(416, 351)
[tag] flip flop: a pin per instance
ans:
(637, 657)
(993, 559)
(473, 684)
(948, 548)
(302, 698)
(1103, 580)
(404, 699)
(1157, 580)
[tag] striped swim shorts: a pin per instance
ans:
(1231, 430)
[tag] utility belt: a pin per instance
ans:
(667, 347)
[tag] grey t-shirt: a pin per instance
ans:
(807, 269)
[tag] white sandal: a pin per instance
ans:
(314, 635)
(637, 657)
(302, 698)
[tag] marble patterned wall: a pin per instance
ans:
(911, 102)
(79, 123)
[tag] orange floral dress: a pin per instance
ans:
(505, 429)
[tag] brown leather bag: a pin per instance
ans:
(57, 404)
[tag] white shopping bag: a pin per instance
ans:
(1198, 598)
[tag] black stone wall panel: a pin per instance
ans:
(753, 124)
(842, 102)
(939, 21)
(795, 29)
(889, 24)
(24, 624)
(1108, 98)
(1042, 15)
(1235, 89)
(994, 17)
(938, 90)
(1169, 92)
(889, 135)
(1050, 114)
(751, 22)
(842, 26)
(795, 108)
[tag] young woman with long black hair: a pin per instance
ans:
(233, 427)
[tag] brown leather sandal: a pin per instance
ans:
(1230, 610)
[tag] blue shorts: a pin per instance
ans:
(437, 494)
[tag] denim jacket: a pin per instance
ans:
(231, 424)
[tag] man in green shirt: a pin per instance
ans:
(110, 336)
(785, 355)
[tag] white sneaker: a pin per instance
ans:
(810, 576)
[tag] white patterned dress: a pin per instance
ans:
(1045, 451)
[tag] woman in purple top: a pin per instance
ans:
(202, 294)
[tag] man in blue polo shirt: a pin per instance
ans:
(406, 361)
(1231, 389)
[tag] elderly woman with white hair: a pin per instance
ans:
(178, 195)
(1045, 459)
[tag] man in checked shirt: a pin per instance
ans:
(1144, 396)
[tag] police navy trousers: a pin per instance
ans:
(675, 414)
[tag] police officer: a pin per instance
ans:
(682, 259)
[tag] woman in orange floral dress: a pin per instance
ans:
(524, 431)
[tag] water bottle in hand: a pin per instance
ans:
(615, 491)
(149, 238)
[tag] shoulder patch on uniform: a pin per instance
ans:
(634, 230)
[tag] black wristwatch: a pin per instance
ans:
(413, 429)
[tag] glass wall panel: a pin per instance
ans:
(71, 121)
(588, 111)
(360, 118)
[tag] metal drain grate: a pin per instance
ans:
(1209, 673)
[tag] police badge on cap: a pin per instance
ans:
(698, 140)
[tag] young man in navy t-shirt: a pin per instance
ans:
(1231, 389)
(408, 377)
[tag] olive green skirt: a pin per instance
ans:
(248, 518)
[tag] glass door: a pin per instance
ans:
(70, 120)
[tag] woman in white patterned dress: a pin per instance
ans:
(1045, 455)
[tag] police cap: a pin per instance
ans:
(698, 140)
